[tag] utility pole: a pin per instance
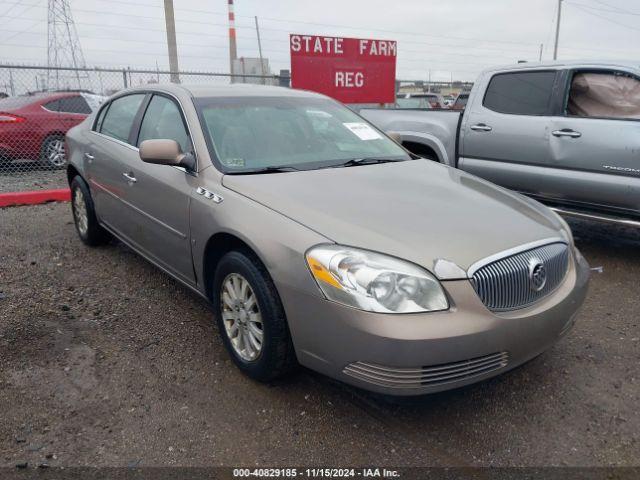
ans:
(170, 22)
(260, 52)
(541, 48)
(555, 47)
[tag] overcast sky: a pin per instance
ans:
(448, 38)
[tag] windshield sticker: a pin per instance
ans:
(234, 162)
(363, 131)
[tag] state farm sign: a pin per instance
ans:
(352, 70)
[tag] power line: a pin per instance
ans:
(605, 18)
(617, 12)
(614, 7)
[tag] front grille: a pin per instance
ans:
(506, 284)
(427, 376)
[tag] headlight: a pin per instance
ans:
(374, 282)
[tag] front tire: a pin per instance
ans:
(250, 317)
(84, 215)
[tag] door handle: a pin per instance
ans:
(481, 127)
(88, 156)
(130, 178)
(566, 132)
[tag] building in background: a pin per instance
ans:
(252, 66)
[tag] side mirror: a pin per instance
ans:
(396, 137)
(165, 152)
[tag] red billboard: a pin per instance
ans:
(351, 70)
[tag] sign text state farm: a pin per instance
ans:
(351, 70)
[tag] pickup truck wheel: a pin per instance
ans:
(84, 215)
(250, 317)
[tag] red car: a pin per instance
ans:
(33, 127)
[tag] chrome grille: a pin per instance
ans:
(506, 283)
(429, 375)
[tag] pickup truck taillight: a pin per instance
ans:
(9, 118)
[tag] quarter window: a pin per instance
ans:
(74, 105)
(163, 120)
(52, 106)
(520, 93)
(119, 118)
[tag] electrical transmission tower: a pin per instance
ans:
(64, 46)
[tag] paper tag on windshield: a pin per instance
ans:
(363, 131)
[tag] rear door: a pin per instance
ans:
(505, 132)
(107, 158)
(158, 200)
(595, 141)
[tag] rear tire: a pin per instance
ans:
(52, 152)
(84, 215)
(251, 315)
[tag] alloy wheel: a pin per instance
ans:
(80, 212)
(55, 153)
(241, 316)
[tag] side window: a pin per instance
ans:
(52, 106)
(75, 104)
(604, 94)
(163, 120)
(119, 118)
(520, 93)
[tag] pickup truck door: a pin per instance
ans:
(595, 144)
(504, 136)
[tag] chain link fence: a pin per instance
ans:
(38, 105)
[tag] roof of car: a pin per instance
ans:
(566, 63)
(233, 90)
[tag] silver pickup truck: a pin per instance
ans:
(567, 134)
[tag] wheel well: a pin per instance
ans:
(72, 172)
(217, 246)
(421, 150)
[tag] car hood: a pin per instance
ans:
(416, 210)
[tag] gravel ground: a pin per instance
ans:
(22, 177)
(106, 361)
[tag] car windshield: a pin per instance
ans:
(303, 133)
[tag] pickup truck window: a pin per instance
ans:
(249, 133)
(604, 95)
(520, 93)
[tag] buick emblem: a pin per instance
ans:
(537, 274)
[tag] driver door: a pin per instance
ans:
(159, 196)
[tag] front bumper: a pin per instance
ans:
(413, 354)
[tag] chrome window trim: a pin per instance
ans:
(113, 139)
(512, 251)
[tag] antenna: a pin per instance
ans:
(64, 46)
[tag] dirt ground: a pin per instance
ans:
(106, 361)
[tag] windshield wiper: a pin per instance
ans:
(271, 169)
(366, 161)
